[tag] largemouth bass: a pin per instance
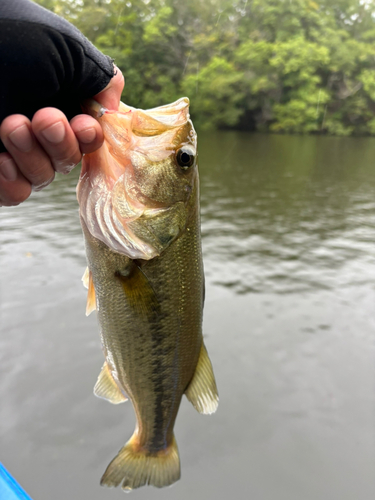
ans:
(139, 209)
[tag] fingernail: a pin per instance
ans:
(62, 167)
(39, 187)
(55, 133)
(87, 136)
(21, 138)
(8, 170)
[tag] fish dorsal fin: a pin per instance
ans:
(202, 391)
(88, 283)
(106, 387)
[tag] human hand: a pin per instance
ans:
(48, 144)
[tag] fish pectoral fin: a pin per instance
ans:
(91, 299)
(138, 290)
(107, 388)
(201, 391)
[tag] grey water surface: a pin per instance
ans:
(288, 229)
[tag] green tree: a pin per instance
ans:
(303, 66)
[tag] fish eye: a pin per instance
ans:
(185, 157)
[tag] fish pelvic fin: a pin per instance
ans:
(135, 466)
(202, 391)
(85, 278)
(89, 284)
(107, 388)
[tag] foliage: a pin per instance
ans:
(296, 66)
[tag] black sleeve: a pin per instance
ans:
(45, 61)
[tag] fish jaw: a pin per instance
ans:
(135, 175)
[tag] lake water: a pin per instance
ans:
(288, 229)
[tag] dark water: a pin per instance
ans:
(289, 243)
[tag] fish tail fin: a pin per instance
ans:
(134, 466)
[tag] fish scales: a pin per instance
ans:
(149, 297)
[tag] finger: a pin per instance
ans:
(53, 132)
(28, 155)
(110, 97)
(88, 133)
(14, 188)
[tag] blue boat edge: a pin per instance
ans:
(9, 488)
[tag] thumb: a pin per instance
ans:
(110, 97)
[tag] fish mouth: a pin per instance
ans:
(128, 126)
(109, 193)
(150, 133)
(174, 114)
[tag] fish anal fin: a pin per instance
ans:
(202, 390)
(135, 466)
(91, 299)
(106, 387)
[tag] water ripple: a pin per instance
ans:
(277, 226)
